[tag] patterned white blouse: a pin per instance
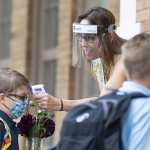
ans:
(98, 72)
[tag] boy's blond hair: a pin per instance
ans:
(11, 79)
(136, 56)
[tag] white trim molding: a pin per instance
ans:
(128, 26)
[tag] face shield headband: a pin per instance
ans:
(83, 36)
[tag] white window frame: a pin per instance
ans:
(128, 26)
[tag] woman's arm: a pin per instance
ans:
(116, 79)
(56, 104)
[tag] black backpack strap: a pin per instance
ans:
(115, 102)
(114, 116)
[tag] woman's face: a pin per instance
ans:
(90, 44)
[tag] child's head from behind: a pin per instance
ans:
(135, 54)
(14, 92)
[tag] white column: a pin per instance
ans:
(128, 26)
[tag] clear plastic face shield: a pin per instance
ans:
(85, 43)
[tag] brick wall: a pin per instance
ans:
(64, 57)
(114, 7)
(143, 14)
(18, 44)
(19, 34)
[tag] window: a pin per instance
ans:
(5, 23)
(86, 85)
(51, 23)
(44, 45)
(49, 77)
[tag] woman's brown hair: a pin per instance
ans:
(104, 18)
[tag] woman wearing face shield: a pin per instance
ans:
(94, 40)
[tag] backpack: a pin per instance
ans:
(7, 137)
(96, 125)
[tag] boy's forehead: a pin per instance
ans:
(22, 90)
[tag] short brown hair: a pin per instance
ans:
(135, 54)
(11, 79)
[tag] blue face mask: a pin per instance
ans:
(19, 109)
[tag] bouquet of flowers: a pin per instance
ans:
(40, 125)
(35, 128)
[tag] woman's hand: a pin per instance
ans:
(52, 103)
(116, 79)
(47, 101)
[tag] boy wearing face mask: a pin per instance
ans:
(14, 98)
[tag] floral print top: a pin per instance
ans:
(98, 72)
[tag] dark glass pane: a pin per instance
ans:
(51, 24)
(50, 76)
(5, 23)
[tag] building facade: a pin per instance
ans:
(36, 36)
